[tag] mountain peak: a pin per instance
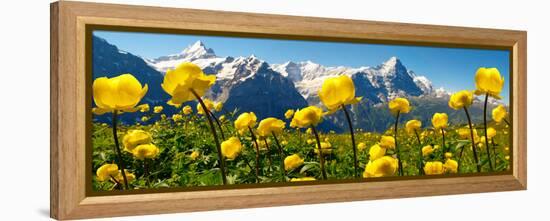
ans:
(393, 62)
(198, 49)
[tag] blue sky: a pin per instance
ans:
(451, 68)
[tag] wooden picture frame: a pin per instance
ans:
(69, 199)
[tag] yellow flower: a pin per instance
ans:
(163, 116)
(231, 148)
(434, 168)
(208, 103)
(293, 161)
(218, 106)
(412, 126)
(439, 120)
(376, 152)
(177, 117)
(499, 113)
(158, 109)
(144, 108)
(244, 121)
(121, 93)
(387, 142)
(195, 154)
(489, 81)
(302, 179)
(448, 155)
(289, 113)
(309, 131)
(326, 147)
(144, 118)
(143, 151)
(134, 138)
(491, 132)
(361, 146)
(384, 166)
(451, 166)
(129, 176)
(400, 105)
(187, 76)
(270, 125)
(222, 118)
(309, 116)
(284, 142)
(310, 141)
(105, 171)
(507, 157)
(427, 150)
(461, 99)
(338, 91)
(187, 110)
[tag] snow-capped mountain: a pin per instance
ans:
(377, 84)
(383, 82)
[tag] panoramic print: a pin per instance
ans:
(182, 111)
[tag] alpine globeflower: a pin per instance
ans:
(187, 79)
(499, 113)
(309, 116)
(270, 126)
(399, 105)
(376, 152)
(231, 148)
(387, 142)
(361, 146)
(293, 161)
(384, 166)
(489, 81)
(289, 113)
(145, 151)
(451, 166)
(338, 91)
(427, 150)
(121, 93)
(158, 109)
(187, 110)
(245, 121)
(412, 126)
(461, 99)
(434, 168)
(440, 120)
(107, 171)
(135, 138)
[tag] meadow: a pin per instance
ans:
(205, 145)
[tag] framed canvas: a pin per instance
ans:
(162, 110)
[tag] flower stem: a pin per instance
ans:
(420, 158)
(269, 160)
(117, 149)
(443, 143)
(321, 157)
(213, 130)
(355, 164)
(146, 172)
(257, 155)
(218, 123)
(282, 156)
(485, 128)
(474, 149)
(400, 164)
